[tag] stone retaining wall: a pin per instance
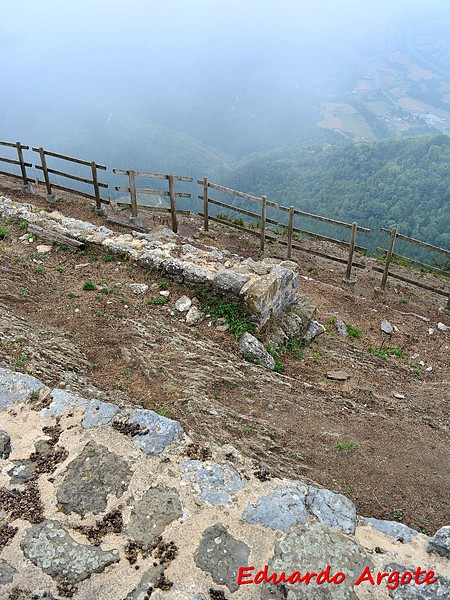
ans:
(263, 289)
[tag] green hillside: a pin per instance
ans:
(402, 181)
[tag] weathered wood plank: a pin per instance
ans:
(221, 188)
(76, 192)
(69, 158)
(12, 145)
(235, 208)
(153, 175)
(74, 177)
(415, 262)
(389, 252)
(351, 251)
(119, 188)
(413, 282)
(400, 236)
(13, 161)
(173, 206)
(47, 234)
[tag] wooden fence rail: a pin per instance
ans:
(390, 254)
(20, 162)
(93, 180)
(289, 229)
(171, 193)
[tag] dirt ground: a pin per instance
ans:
(380, 437)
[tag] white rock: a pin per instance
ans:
(442, 327)
(399, 396)
(386, 327)
(164, 293)
(138, 288)
(183, 304)
(194, 316)
(430, 331)
(43, 249)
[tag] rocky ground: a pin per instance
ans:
(379, 434)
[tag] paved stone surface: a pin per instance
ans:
(309, 548)
(252, 349)
(434, 591)
(22, 471)
(5, 444)
(440, 542)
(50, 547)
(62, 402)
(161, 431)
(148, 580)
(334, 510)
(6, 572)
(396, 530)
(281, 509)
(16, 387)
(90, 478)
(214, 483)
(221, 555)
(99, 413)
(153, 512)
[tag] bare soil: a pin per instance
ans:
(389, 454)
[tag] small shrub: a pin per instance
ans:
(100, 313)
(164, 411)
(23, 225)
(404, 300)
(21, 360)
(353, 332)
(157, 301)
(89, 286)
(4, 233)
(108, 257)
(34, 395)
(39, 269)
(24, 292)
(384, 353)
(72, 295)
(60, 268)
(162, 283)
(346, 446)
(398, 514)
(220, 308)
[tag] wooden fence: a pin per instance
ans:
(20, 162)
(171, 193)
(94, 167)
(289, 230)
(390, 254)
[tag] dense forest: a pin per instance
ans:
(399, 181)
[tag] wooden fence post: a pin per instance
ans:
(351, 250)
(388, 258)
(263, 222)
(50, 194)
(23, 169)
(205, 204)
(98, 202)
(173, 206)
(134, 210)
(290, 231)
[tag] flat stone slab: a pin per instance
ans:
(310, 548)
(153, 512)
(221, 555)
(395, 530)
(281, 509)
(161, 431)
(22, 471)
(51, 548)
(148, 580)
(333, 510)
(62, 402)
(338, 375)
(90, 478)
(16, 387)
(99, 413)
(440, 542)
(5, 445)
(410, 591)
(214, 482)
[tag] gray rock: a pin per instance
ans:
(151, 514)
(281, 509)
(148, 580)
(22, 471)
(90, 478)
(183, 304)
(442, 326)
(6, 572)
(309, 548)
(395, 530)
(338, 375)
(161, 431)
(138, 288)
(16, 387)
(294, 325)
(314, 329)
(194, 275)
(174, 268)
(62, 402)
(5, 444)
(341, 327)
(227, 281)
(198, 597)
(386, 327)
(194, 316)
(440, 590)
(50, 547)
(99, 413)
(334, 510)
(214, 482)
(253, 350)
(440, 542)
(221, 555)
